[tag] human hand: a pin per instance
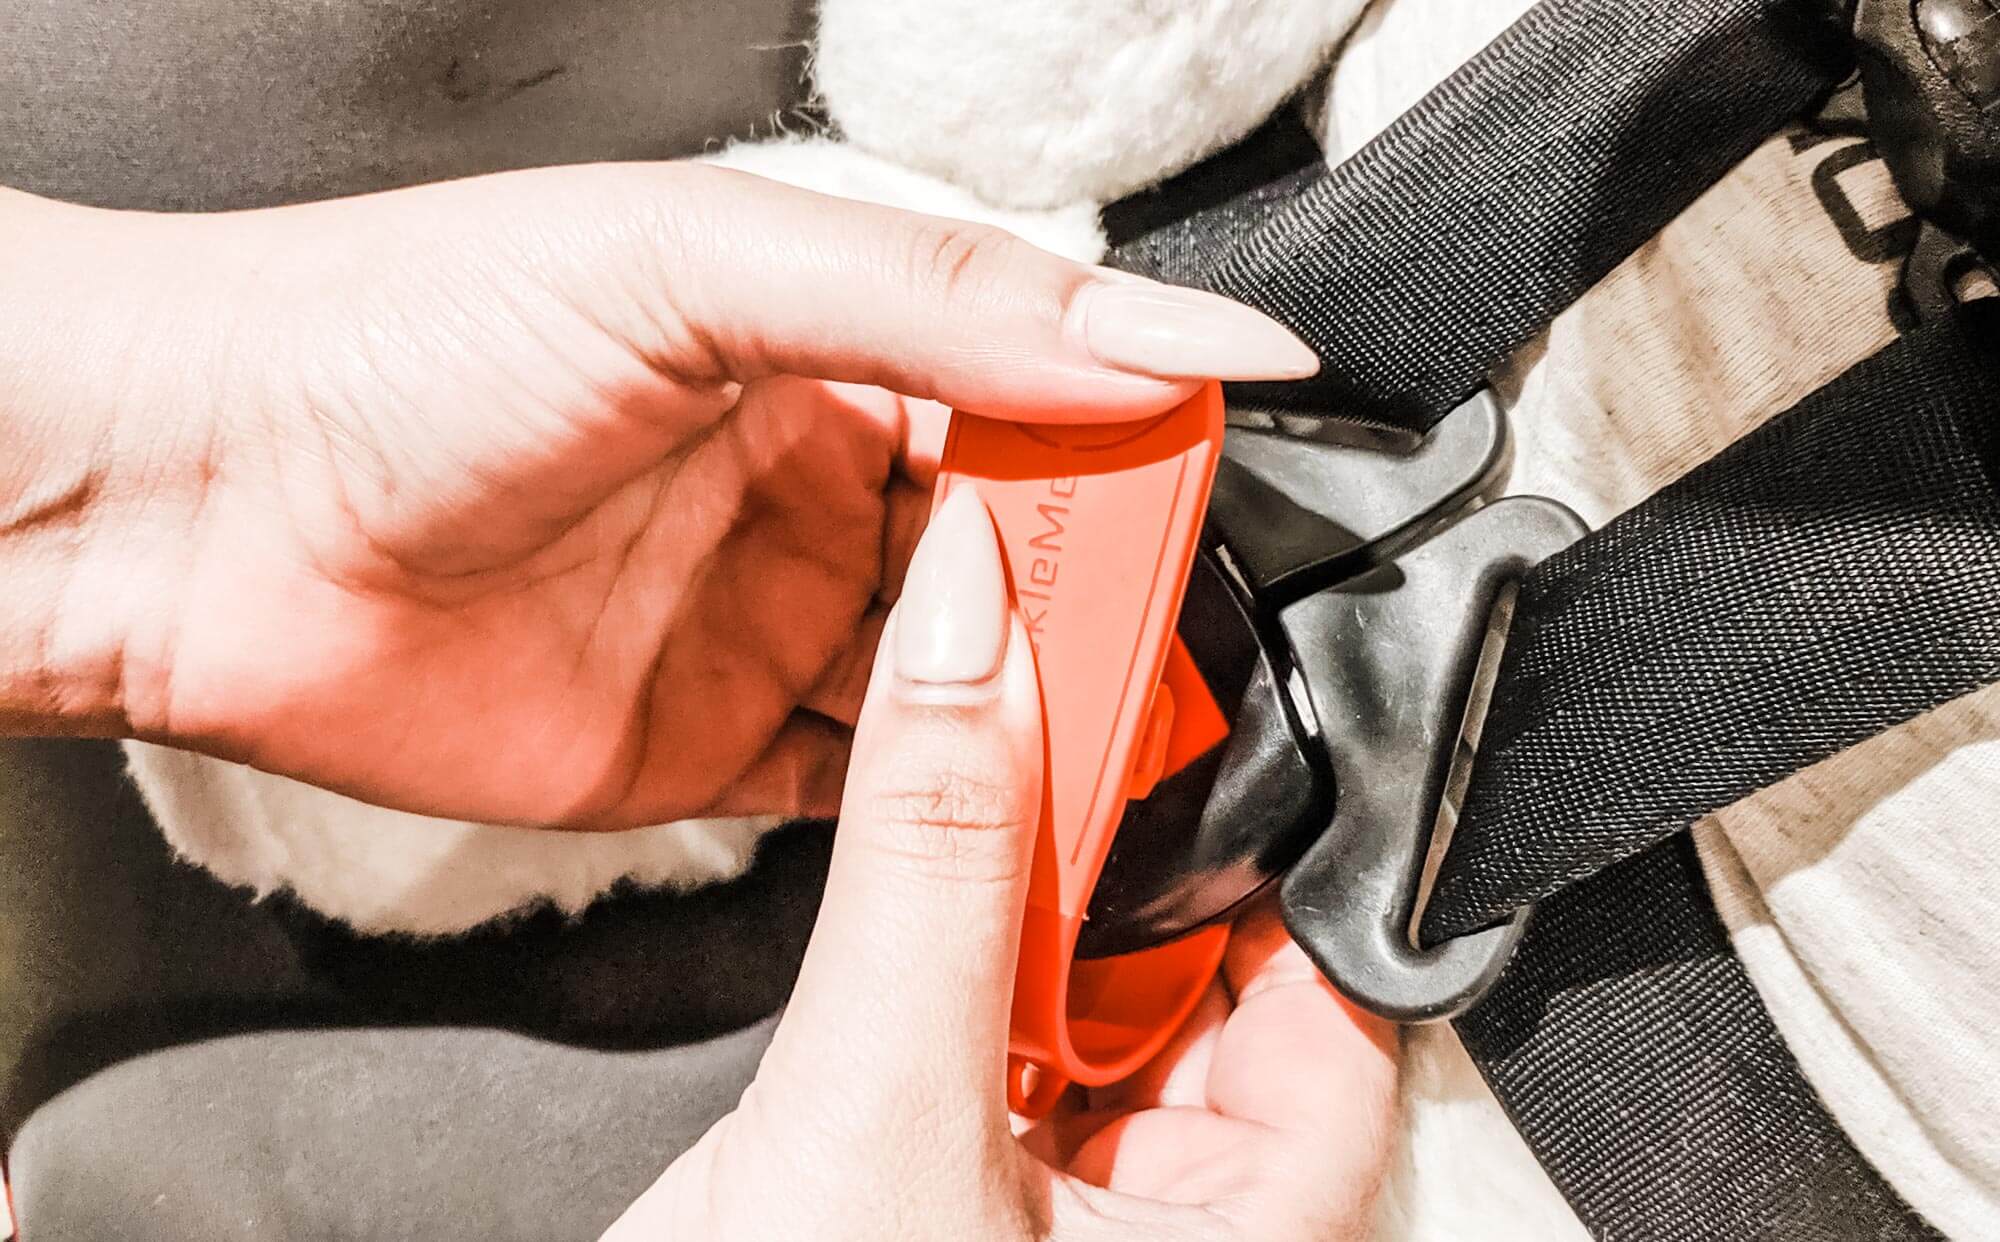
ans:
(574, 496)
(879, 1111)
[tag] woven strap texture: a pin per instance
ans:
(1418, 265)
(1832, 574)
(1838, 558)
(1632, 1053)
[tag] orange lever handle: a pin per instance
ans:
(1098, 527)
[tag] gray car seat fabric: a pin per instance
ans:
(181, 1063)
(387, 1135)
(178, 1062)
(211, 104)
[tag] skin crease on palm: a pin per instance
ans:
(582, 497)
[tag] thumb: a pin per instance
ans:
(906, 986)
(777, 280)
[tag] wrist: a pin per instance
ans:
(98, 452)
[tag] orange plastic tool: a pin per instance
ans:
(1098, 527)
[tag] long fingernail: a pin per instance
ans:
(1178, 333)
(951, 624)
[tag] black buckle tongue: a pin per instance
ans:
(1387, 635)
(1390, 658)
(1293, 511)
(1339, 612)
(1300, 508)
(1295, 508)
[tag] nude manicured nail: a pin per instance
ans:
(951, 624)
(1171, 332)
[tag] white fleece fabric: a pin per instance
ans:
(817, 163)
(389, 871)
(1037, 103)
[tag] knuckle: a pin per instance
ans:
(959, 827)
(953, 803)
(963, 258)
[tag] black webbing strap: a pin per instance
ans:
(1419, 264)
(1827, 577)
(1633, 1055)
(1832, 574)
(1179, 229)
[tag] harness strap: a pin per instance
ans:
(1418, 265)
(1633, 1055)
(1177, 230)
(1832, 574)
(1829, 576)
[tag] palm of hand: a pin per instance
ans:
(544, 581)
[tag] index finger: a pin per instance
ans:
(777, 280)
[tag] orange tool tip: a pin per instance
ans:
(1098, 527)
